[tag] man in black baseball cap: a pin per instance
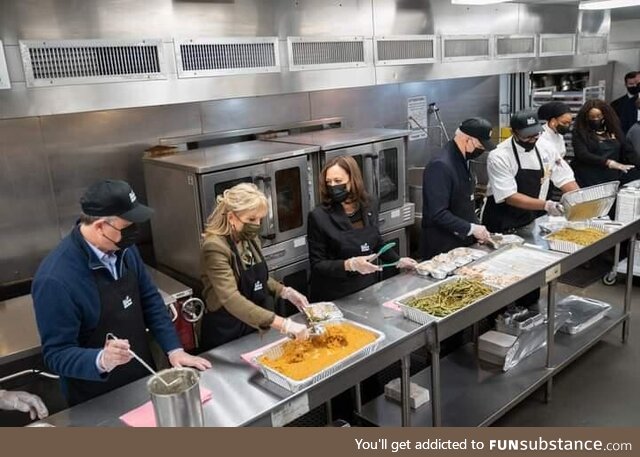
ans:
(94, 299)
(114, 198)
(520, 172)
(479, 129)
(448, 191)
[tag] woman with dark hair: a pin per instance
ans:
(343, 234)
(600, 149)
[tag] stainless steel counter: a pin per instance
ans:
(19, 336)
(241, 396)
(330, 139)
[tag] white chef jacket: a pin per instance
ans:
(502, 168)
(552, 140)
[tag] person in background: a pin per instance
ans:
(25, 402)
(633, 137)
(558, 121)
(448, 191)
(601, 151)
(95, 283)
(343, 234)
(519, 175)
(626, 106)
(239, 293)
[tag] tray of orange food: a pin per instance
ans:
(295, 365)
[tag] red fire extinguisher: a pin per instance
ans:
(184, 315)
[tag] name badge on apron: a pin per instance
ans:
(364, 247)
(127, 302)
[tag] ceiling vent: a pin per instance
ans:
(593, 44)
(405, 49)
(226, 56)
(466, 47)
(563, 44)
(64, 62)
(320, 53)
(515, 46)
(4, 73)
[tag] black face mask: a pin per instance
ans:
(596, 124)
(633, 90)
(338, 193)
(563, 129)
(128, 236)
(477, 152)
(526, 145)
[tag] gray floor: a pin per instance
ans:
(601, 388)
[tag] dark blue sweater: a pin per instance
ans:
(67, 306)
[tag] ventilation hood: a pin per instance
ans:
(119, 54)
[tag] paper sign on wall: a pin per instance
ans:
(417, 116)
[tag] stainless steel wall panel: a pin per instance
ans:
(121, 126)
(84, 148)
(322, 17)
(377, 106)
(416, 17)
(547, 18)
(68, 19)
(29, 223)
(594, 22)
(458, 99)
(220, 115)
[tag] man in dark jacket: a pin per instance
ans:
(448, 187)
(626, 106)
(94, 299)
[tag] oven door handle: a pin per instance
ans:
(376, 175)
(264, 184)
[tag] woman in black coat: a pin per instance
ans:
(601, 152)
(344, 236)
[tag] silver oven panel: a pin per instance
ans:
(284, 182)
(397, 218)
(383, 169)
(285, 253)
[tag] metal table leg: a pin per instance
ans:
(434, 347)
(628, 287)
(551, 322)
(329, 411)
(405, 392)
(358, 394)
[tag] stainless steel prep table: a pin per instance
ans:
(19, 336)
(241, 396)
(473, 396)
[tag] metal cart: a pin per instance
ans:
(627, 210)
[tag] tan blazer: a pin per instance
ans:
(221, 284)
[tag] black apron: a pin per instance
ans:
(590, 175)
(503, 218)
(121, 314)
(435, 240)
(353, 243)
(220, 326)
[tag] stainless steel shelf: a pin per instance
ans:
(475, 393)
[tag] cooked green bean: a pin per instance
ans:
(451, 297)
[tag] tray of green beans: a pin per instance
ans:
(440, 300)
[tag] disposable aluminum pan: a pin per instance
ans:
(294, 385)
(422, 317)
(590, 202)
(584, 313)
(322, 311)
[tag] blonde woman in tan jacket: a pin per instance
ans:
(238, 290)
